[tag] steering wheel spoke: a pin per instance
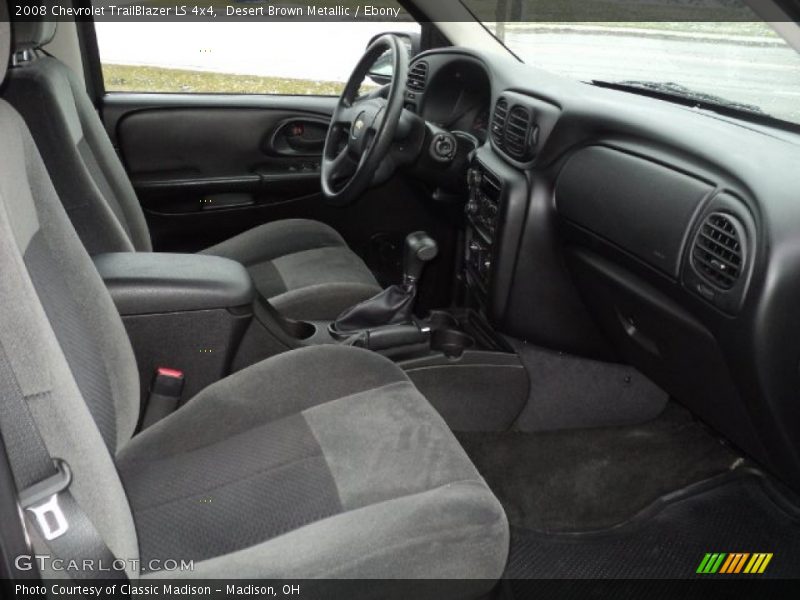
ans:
(343, 165)
(365, 126)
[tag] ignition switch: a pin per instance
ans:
(443, 147)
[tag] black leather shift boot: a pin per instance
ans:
(392, 306)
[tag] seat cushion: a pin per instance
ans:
(321, 462)
(303, 267)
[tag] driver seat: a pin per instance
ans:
(303, 267)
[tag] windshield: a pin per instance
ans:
(739, 62)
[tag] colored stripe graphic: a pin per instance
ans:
(741, 562)
(758, 563)
(734, 563)
(703, 564)
(728, 562)
(711, 563)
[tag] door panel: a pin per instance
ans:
(210, 159)
(191, 141)
(220, 161)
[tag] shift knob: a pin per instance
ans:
(420, 249)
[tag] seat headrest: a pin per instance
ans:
(5, 40)
(32, 34)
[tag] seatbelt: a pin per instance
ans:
(43, 483)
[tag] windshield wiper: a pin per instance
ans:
(669, 90)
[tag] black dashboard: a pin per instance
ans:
(630, 229)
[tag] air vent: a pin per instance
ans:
(499, 122)
(718, 251)
(518, 127)
(418, 76)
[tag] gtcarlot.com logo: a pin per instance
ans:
(45, 562)
(735, 563)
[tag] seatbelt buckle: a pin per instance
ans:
(165, 395)
(41, 500)
(167, 382)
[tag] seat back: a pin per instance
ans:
(60, 335)
(88, 175)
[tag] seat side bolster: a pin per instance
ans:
(279, 238)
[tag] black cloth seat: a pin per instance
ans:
(313, 450)
(303, 267)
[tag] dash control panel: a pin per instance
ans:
(482, 211)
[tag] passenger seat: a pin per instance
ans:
(323, 462)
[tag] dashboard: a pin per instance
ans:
(630, 229)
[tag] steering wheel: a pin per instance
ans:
(362, 130)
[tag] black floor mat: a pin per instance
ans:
(740, 513)
(579, 480)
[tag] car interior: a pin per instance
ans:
(475, 321)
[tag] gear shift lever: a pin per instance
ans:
(393, 306)
(420, 249)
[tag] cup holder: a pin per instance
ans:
(300, 330)
(451, 342)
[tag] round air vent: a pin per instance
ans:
(718, 250)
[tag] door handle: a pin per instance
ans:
(632, 330)
(301, 136)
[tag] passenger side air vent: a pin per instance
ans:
(499, 122)
(718, 250)
(418, 76)
(518, 127)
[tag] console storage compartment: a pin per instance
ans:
(182, 311)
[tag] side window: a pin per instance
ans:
(255, 57)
